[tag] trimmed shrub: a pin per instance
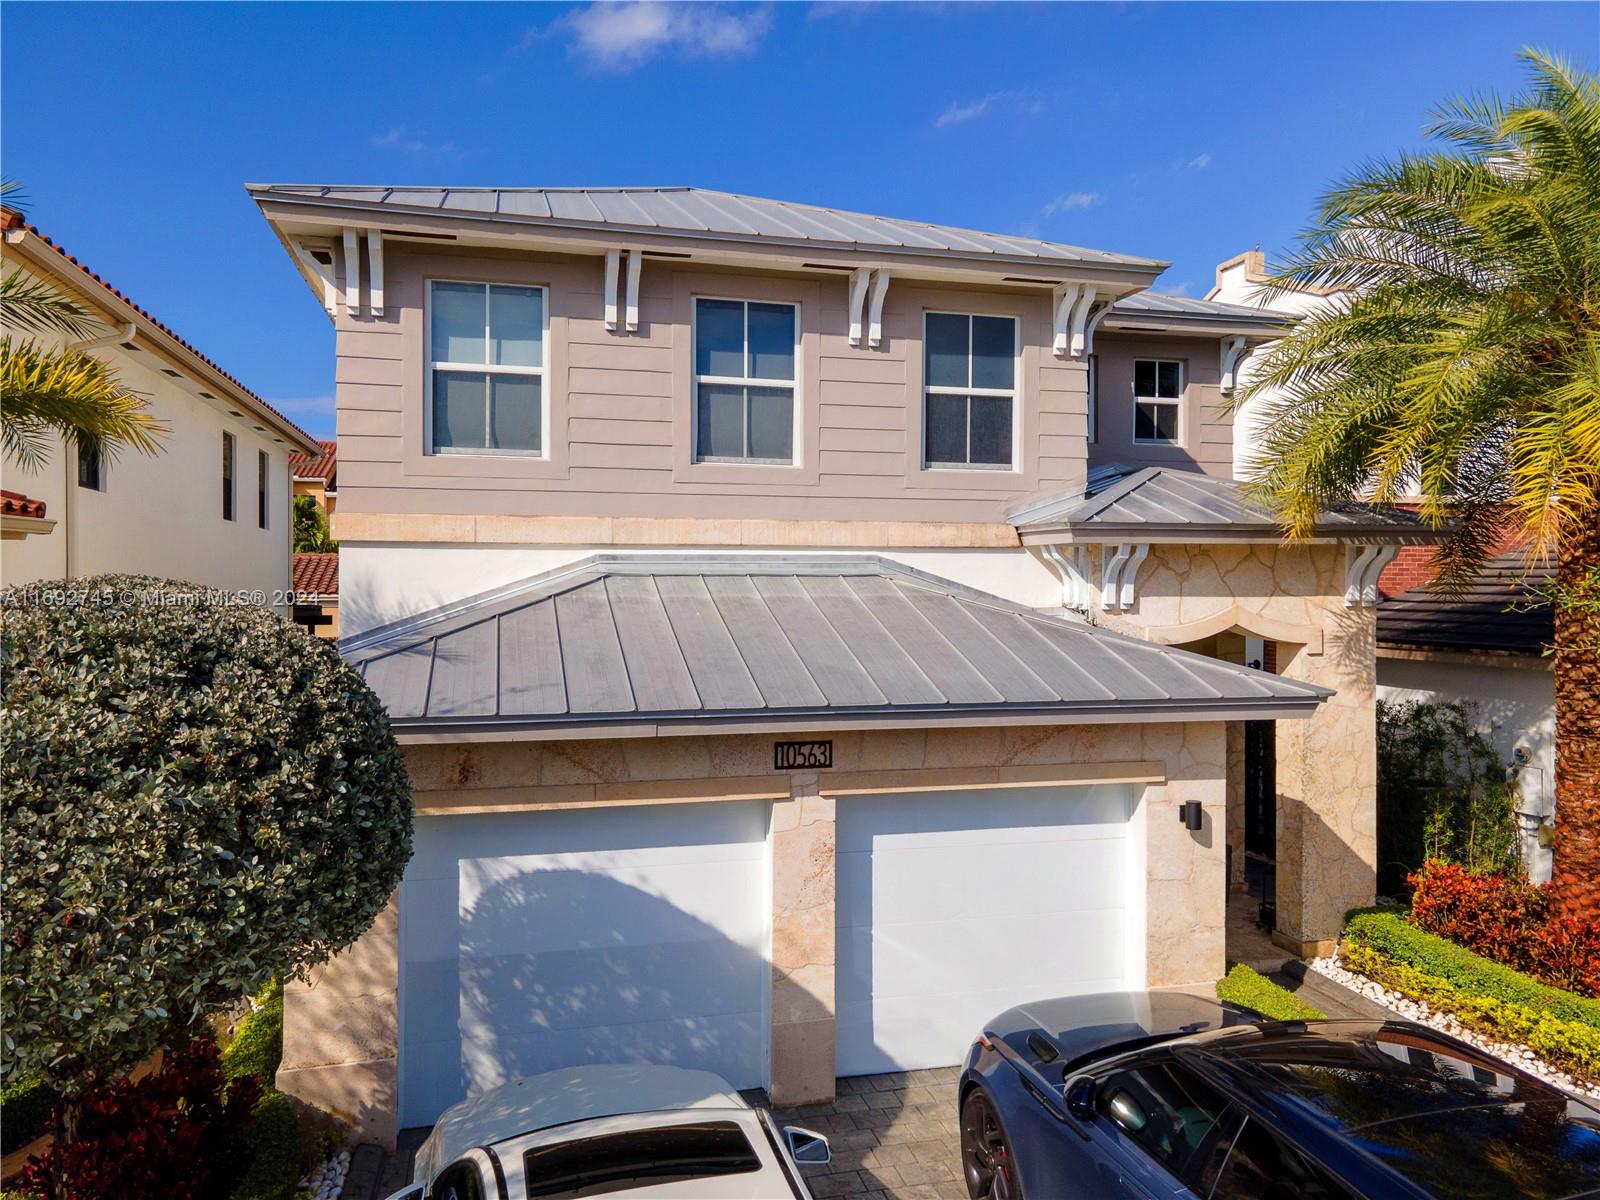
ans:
(1571, 1045)
(1250, 989)
(25, 1106)
(273, 1146)
(198, 797)
(172, 1135)
(1388, 934)
(257, 1046)
(1509, 920)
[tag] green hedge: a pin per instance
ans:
(272, 1142)
(257, 1047)
(1390, 935)
(25, 1106)
(1253, 990)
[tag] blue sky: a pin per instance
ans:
(1187, 132)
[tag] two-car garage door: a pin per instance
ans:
(537, 940)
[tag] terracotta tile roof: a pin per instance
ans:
(1501, 609)
(15, 504)
(11, 219)
(322, 466)
(317, 574)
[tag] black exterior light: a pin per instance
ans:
(1189, 814)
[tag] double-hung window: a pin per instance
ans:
(486, 364)
(969, 390)
(1157, 396)
(744, 381)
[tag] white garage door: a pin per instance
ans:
(531, 941)
(954, 906)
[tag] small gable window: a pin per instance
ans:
(1157, 399)
(486, 365)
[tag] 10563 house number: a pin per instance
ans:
(795, 756)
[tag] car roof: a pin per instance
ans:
(573, 1094)
(1397, 1108)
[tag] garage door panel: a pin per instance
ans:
(533, 941)
(955, 906)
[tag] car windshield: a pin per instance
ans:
(1453, 1125)
(636, 1157)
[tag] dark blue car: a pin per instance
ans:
(1160, 1094)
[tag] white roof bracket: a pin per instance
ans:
(1063, 298)
(1130, 574)
(631, 301)
(1111, 575)
(1233, 350)
(1358, 562)
(375, 270)
(323, 271)
(858, 302)
(1080, 314)
(352, 271)
(1072, 565)
(613, 272)
(880, 288)
(1102, 310)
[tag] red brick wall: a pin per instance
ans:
(1411, 567)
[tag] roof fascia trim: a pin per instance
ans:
(1064, 533)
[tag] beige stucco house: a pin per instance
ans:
(210, 507)
(809, 633)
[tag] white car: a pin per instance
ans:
(634, 1131)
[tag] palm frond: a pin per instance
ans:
(32, 305)
(64, 393)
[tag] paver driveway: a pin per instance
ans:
(894, 1137)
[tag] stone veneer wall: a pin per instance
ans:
(342, 1024)
(1327, 768)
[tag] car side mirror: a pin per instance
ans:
(1080, 1097)
(807, 1147)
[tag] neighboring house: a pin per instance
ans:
(1485, 647)
(316, 593)
(22, 516)
(809, 633)
(317, 475)
(210, 507)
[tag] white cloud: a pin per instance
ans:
(958, 114)
(1068, 201)
(619, 35)
(400, 137)
(1199, 162)
(1185, 288)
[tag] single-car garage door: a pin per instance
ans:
(537, 940)
(954, 906)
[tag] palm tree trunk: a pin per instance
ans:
(1576, 882)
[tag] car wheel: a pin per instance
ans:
(985, 1154)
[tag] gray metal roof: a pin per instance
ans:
(1164, 305)
(725, 642)
(705, 213)
(1166, 504)
(1505, 607)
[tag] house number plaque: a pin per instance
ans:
(796, 756)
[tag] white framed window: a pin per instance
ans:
(1157, 400)
(969, 390)
(486, 367)
(745, 356)
(1094, 398)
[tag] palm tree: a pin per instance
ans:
(47, 392)
(1463, 359)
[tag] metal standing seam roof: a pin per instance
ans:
(703, 212)
(1162, 304)
(761, 640)
(1504, 608)
(1134, 505)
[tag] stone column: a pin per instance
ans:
(1327, 849)
(802, 1040)
(341, 1033)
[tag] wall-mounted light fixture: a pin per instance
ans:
(1189, 812)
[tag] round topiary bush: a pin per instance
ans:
(197, 796)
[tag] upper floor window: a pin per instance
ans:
(744, 381)
(969, 390)
(91, 469)
(1157, 390)
(486, 363)
(261, 489)
(227, 476)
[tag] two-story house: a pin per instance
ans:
(211, 506)
(809, 634)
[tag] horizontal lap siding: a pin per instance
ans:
(617, 401)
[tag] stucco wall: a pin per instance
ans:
(1515, 707)
(161, 514)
